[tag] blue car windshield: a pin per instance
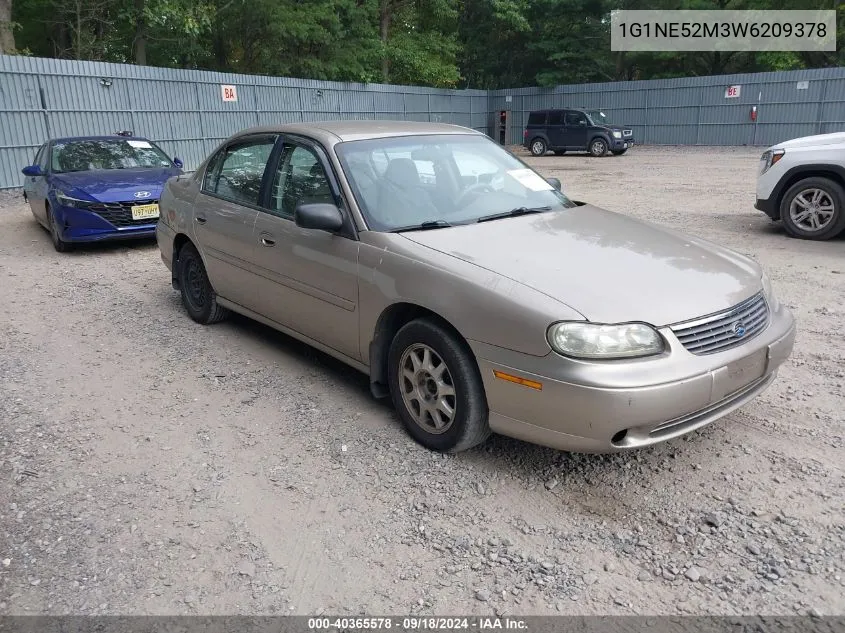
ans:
(106, 154)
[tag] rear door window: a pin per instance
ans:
(237, 172)
(537, 118)
(556, 117)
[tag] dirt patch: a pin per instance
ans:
(151, 465)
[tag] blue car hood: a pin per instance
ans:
(115, 185)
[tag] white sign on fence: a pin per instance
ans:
(230, 93)
(803, 85)
(732, 92)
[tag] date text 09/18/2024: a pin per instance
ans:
(414, 623)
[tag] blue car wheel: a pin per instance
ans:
(58, 243)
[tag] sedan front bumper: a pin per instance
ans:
(622, 405)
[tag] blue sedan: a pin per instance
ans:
(95, 188)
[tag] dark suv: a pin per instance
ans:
(575, 130)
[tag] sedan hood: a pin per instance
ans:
(115, 185)
(609, 267)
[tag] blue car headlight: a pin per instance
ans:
(68, 201)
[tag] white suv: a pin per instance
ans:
(802, 183)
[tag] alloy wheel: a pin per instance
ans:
(812, 210)
(427, 389)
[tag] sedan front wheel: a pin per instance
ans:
(436, 388)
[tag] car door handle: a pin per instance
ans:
(267, 240)
(200, 219)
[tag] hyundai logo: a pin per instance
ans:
(739, 329)
(142, 194)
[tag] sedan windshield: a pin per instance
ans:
(107, 154)
(439, 181)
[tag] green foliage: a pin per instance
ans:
(445, 43)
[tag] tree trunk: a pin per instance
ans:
(78, 29)
(384, 29)
(140, 42)
(7, 37)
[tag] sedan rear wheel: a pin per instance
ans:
(539, 147)
(436, 388)
(812, 209)
(198, 296)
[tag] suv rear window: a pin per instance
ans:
(537, 118)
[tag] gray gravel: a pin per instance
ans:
(152, 465)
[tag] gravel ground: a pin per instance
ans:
(150, 465)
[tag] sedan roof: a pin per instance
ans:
(332, 132)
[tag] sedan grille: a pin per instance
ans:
(120, 213)
(724, 330)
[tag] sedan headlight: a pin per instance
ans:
(769, 158)
(769, 293)
(617, 134)
(67, 201)
(597, 341)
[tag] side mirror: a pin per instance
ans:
(178, 162)
(318, 216)
(32, 170)
(554, 182)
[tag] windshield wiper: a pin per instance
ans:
(423, 226)
(513, 213)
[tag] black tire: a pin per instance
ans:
(538, 147)
(619, 152)
(835, 194)
(198, 296)
(559, 152)
(58, 243)
(469, 426)
(598, 147)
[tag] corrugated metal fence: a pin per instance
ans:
(698, 110)
(185, 112)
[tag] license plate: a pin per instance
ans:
(626, 146)
(740, 373)
(145, 211)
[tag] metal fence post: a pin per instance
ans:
(129, 104)
(42, 99)
(820, 109)
(255, 103)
